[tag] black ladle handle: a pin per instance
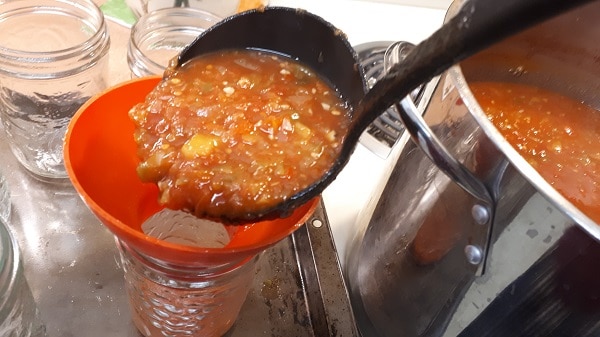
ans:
(478, 24)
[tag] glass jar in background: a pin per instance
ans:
(160, 35)
(53, 58)
(173, 300)
(221, 8)
(19, 316)
(5, 205)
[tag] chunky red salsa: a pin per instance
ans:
(557, 135)
(235, 132)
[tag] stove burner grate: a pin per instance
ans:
(387, 128)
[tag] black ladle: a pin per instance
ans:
(315, 42)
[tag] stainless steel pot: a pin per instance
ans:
(465, 230)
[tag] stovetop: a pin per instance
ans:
(385, 131)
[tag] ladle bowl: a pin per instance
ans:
(101, 160)
(294, 33)
(299, 35)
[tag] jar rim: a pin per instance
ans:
(190, 272)
(186, 12)
(181, 21)
(92, 49)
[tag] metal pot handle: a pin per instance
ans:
(483, 210)
(426, 139)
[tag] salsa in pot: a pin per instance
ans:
(557, 135)
(234, 132)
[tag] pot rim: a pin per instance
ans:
(527, 171)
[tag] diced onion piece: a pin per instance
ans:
(228, 91)
(302, 130)
(331, 136)
(199, 145)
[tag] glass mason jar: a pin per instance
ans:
(53, 58)
(160, 35)
(174, 300)
(221, 8)
(5, 205)
(19, 316)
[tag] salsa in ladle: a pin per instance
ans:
(232, 134)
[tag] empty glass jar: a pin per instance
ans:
(221, 8)
(160, 35)
(53, 58)
(5, 205)
(19, 316)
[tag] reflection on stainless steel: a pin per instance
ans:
(408, 273)
(434, 149)
(410, 262)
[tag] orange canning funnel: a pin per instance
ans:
(101, 160)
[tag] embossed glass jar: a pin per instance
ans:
(53, 58)
(222, 8)
(19, 316)
(184, 300)
(160, 35)
(5, 205)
